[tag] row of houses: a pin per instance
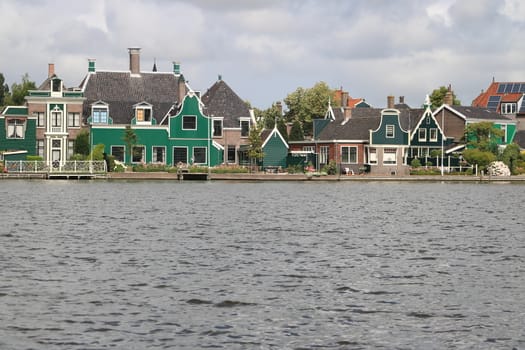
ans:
(176, 125)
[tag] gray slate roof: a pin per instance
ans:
(221, 101)
(122, 91)
(479, 113)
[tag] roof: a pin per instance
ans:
(221, 101)
(475, 113)
(499, 92)
(122, 90)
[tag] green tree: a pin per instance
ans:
(306, 104)
(4, 90)
(255, 152)
(510, 156)
(283, 130)
(19, 91)
(476, 156)
(130, 139)
(437, 97)
(484, 136)
(296, 132)
(81, 145)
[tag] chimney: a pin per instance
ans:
(401, 100)
(344, 99)
(50, 70)
(279, 107)
(134, 60)
(176, 68)
(347, 111)
(449, 98)
(91, 65)
(182, 88)
(390, 101)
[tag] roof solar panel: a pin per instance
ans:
(522, 88)
(508, 88)
(515, 87)
(492, 106)
(522, 109)
(494, 98)
(501, 88)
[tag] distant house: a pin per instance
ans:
(231, 117)
(505, 98)
(17, 133)
(275, 149)
(162, 111)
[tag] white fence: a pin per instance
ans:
(69, 167)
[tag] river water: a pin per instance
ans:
(276, 265)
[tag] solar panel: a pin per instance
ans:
(508, 88)
(515, 88)
(494, 98)
(522, 109)
(501, 88)
(522, 88)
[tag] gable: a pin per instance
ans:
(190, 122)
(389, 131)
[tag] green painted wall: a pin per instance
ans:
(190, 107)
(275, 151)
(379, 136)
(28, 143)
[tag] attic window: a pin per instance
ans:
(143, 114)
(390, 131)
(508, 108)
(189, 122)
(100, 115)
(56, 85)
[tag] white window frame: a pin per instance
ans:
(205, 155)
(372, 159)
(349, 155)
(389, 160)
(433, 134)
(123, 152)
(101, 119)
(73, 119)
(508, 108)
(40, 119)
(184, 117)
(228, 149)
(221, 127)
(40, 144)
(154, 154)
(245, 134)
(147, 113)
(422, 135)
(324, 151)
(15, 128)
(142, 156)
(56, 117)
(173, 153)
(310, 149)
(390, 131)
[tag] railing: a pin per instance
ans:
(69, 167)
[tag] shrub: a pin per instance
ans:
(330, 168)
(415, 163)
(34, 158)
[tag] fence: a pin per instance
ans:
(69, 167)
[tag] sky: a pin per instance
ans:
(266, 49)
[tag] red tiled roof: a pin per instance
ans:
(511, 97)
(482, 100)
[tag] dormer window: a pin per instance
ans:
(56, 87)
(245, 128)
(143, 113)
(99, 113)
(508, 108)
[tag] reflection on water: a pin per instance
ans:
(136, 265)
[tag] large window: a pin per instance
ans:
(15, 128)
(422, 135)
(199, 155)
(433, 134)
(180, 155)
(389, 156)
(138, 154)
(231, 154)
(508, 108)
(100, 115)
(390, 131)
(349, 155)
(56, 118)
(323, 154)
(189, 122)
(245, 128)
(40, 119)
(73, 120)
(118, 153)
(159, 154)
(310, 149)
(217, 127)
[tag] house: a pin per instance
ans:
(58, 115)
(17, 133)
(505, 98)
(275, 149)
(231, 117)
(163, 112)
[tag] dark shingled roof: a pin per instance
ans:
(519, 138)
(362, 121)
(479, 113)
(122, 90)
(221, 101)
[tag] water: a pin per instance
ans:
(309, 265)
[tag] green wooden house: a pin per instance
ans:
(275, 149)
(17, 133)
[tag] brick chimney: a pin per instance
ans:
(279, 107)
(347, 112)
(181, 88)
(134, 60)
(449, 98)
(50, 70)
(390, 101)
(344, 99)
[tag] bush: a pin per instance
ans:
(235, 169)
(415, 163)
(149, 168)
(32, 158)
(330, 168)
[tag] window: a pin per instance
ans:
(118, 153)
(137, 154)
(390, 131)
(100, 115)
(433, 134)
(503, 128)
(159, 154)
(40, 148)
(389, 156)
(422, 134)
(73, 120)
(56, 85)
(508, 108)
(428, 119)
(217, 127)
(40, 119)
(310, 149)
(349, 155)
(56, 118)
(245, 128)
(231, 154)
(70, 148)
(142, 115)
(323, 156)
(180, 155)
(199, 155)
(189, 122)
(373, 156)
(15, 128)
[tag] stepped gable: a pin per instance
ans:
(221, 101)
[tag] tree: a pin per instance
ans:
(476, 156)
(19, 91)
(4, 90)
(255, 152)
(82, 144)
(483, 136)
(130, 139)
(510, 156)
(438, 96)
(306, 104)
(296, 133)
